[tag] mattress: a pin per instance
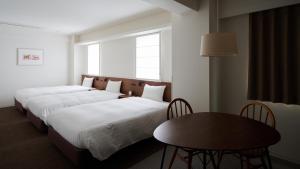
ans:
(24, 95)
(106, 127)
(43, 106)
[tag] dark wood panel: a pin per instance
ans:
(134, 85)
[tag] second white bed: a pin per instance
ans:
(43, 106)
(106, 127)
(24, 95)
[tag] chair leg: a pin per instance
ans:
(269, 159)
(204, 160)
(248, 163)
(173, 158)
(263, 162)
(242, 161)
(163, 157)
(220, 157)
(190, 160)
(212, 158)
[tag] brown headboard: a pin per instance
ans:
(134, 85)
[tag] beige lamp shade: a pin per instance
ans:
(218, 44)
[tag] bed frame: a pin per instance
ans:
(79, 157)
(37, 122)
(82, 157)
(19, 107)
(136, 86)
(100, 82)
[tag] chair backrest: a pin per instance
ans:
(259, 112)
(179, 107)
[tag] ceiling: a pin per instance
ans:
(69, 16)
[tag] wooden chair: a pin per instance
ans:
(262, 113)
(177, 108)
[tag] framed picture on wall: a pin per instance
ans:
(30, 56)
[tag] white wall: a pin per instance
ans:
(118, 58)
(233, 77)
(80, 62)
(146, 23)
(233, 71)
(73, 52)
(110, 36)
(166, 55)
(54, 71)
(190, 70)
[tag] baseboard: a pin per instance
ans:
(276, 157)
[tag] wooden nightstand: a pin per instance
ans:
(124, 96)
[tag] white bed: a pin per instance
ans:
(106, 127)
(24, 95)
(43, 106)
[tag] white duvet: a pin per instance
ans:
(43, 106)
(23, 95)
(106, 127)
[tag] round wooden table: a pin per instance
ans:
(210, 131)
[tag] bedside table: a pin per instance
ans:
(124, 96)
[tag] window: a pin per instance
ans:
(93, 59)
(148, 57)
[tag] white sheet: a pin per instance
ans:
(24, 95)
(106, 127)
(43, 106)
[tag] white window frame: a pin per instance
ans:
(99, 68)
(159, 46)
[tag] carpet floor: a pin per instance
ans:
(22, 146)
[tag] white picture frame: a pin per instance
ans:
(29, 57)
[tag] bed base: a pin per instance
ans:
(82, 158)
(37, 122)
(19, 107)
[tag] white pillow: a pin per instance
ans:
(153, 92)
(113, 86)
(88, 82)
